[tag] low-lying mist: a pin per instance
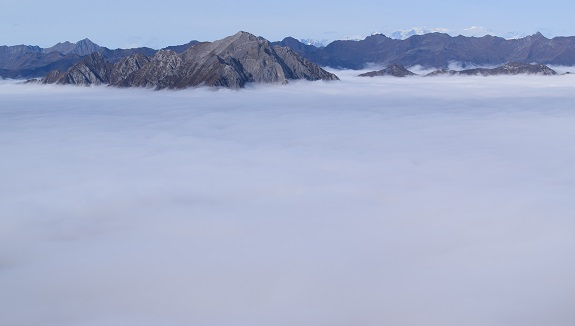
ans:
(370, 201)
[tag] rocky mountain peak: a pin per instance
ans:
(17, 50)
(231, 62)
(239, 37)
(376, 37)
(394, 70)
(538, 35)
(81, 48)
(85, 47)
(62, 47)
(515, 68)
(245, 36)
(233, 43)
(91, 70)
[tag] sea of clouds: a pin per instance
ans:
(371, 201)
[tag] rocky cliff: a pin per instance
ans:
(92, 70)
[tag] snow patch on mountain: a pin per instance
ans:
(473, 31)
(407, 33)
(315, 42)
(514, 35)
(476, 31)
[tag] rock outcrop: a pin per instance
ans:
(92, 70)
(127, 66)
(231, 62)
(393, 70)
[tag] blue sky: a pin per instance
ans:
(156, 24)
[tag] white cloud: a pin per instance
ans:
(437, 201)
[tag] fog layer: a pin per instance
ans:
(370, 201)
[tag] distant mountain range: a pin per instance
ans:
(432, 50)
(438, 50)
(407, 33)
(314, 42)
(473, 31)
(25, 61)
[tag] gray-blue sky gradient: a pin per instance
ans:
(157, 24)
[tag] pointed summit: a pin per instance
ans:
(227, 45)
(395, 70)
(63, 48)
(240, 37)
(538, 36)
(81, 48)
(85, 47)
(242, 34)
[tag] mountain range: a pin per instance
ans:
(473, 31)
(26, 61)
(407, 33)
(438, 50)
(231, 62)
(63, 62)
